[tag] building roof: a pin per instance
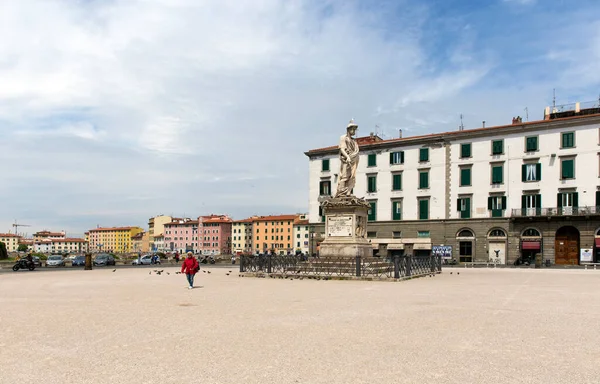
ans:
(458, 133)
(9, 235)
(248, 220)
(182, 222)
(138, 236)
(26, 241)
(48, 233)
(69, 240)
(275, 218)
(112, 229)
(301, 222)
(157, 236)
(217, 220)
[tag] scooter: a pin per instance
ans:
(23, 264)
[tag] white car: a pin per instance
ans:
(55, 261)
(144, 260)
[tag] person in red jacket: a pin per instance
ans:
(190, 267)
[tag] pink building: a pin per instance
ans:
(181, 235)
(214, 232)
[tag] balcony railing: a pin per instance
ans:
(564, 211)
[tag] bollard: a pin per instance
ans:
(358, 266)
(396, 267)
(409, 265)
(269, 265)
(242, 258)
(88, 262)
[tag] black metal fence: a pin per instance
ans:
(395, 267)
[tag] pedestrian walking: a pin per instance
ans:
(190, 267)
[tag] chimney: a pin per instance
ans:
(483, 123)
(517, 120)
(399, 133)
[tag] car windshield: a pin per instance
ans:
(54, 257)
(102, 257)
(79, 257)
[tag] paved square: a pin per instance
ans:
(482, 326)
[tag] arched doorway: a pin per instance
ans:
(497, 246)
(531, 244)
(566, 246)
(466, 240)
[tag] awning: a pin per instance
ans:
(422, 246)
(395, 247)
(597, 242)
(531, 245)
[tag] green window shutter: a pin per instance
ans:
(465, 176)
(465, 150)
(458, 204)
(391, 157)
(524, 201)
(321, 188)
(597, 198)
(490, 203)
(402, 157)
(371, 184)
(575, 199)
(567, 169)
(559, 200)
(524, 172)
(396, 214)
(372, 160)
(497, 175)
(466, 213)
(503, 202)
(497, 147)
(538, 201)
(372, 216)
(424, 154)
(397, 182)
(568, 140)
(423, 209)
(423, 180)
(325, 165)
(538, 171)
(531, 144)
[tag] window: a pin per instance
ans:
(531, 205)
(530, 232)
(397, 182)
(372, 183)
(497, 233)
(531, 144)
(465, 150)
(465, 251)
(424, 154)
(325, 188)
(320, 215)
(325, 165)
(372, 215)
(397, 157)
(372, 160)
(465, 177)
(496, 204)
(568, 140)
(423, 179)
(497, 147)
(566, 201)
(372, 235)
(463, 205)
(497, 174)
(531, 172)
(423, 209)
(423, 234)
(397, 234)
(396, 210)
(567, 169)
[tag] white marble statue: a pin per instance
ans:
(349, 161)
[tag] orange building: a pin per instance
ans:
(273, 233)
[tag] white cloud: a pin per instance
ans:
(125, 109)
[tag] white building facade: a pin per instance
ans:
(501, 193)
(301, 235)
(241, 236)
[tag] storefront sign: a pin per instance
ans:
(586, 255)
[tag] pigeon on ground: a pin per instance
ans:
(149, 273)
(114, 270)
(229, 271)
(208, 271)
(450, 272)
(227, 274)
(458, 273)
(204, 271)
(168, 273)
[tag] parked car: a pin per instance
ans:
(55, 261)
(36, 261)
(104, 259)
(144, 260)
(79, 261)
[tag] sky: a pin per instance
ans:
(112, 112)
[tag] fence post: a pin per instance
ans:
(269, 263)
(242, 259)
(357, 266)
(396, 267)
(432, 263)
(408, 265)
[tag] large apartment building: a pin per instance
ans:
(113, 239)
(214, 234)
(156, 227)
(502, 193)
(11, 241)
(181, 235)
(241, 236)
(301, 234)
(273, 234)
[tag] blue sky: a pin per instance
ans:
(112, 112)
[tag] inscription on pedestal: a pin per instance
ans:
(339, 226)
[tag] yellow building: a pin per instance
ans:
(273, 234)
(139, 243)
(241, 236)
(11, 241)
(114, 239)
(156, 227)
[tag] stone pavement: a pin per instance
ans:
(482, 326)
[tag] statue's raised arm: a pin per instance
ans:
(348, 161)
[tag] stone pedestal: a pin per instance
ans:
(345, 228)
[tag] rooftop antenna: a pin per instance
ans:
(553, 98)
(526, 114)
(461, 127)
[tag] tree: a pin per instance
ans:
(3, 253)
(22, 248)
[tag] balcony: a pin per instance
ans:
(557, 212)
